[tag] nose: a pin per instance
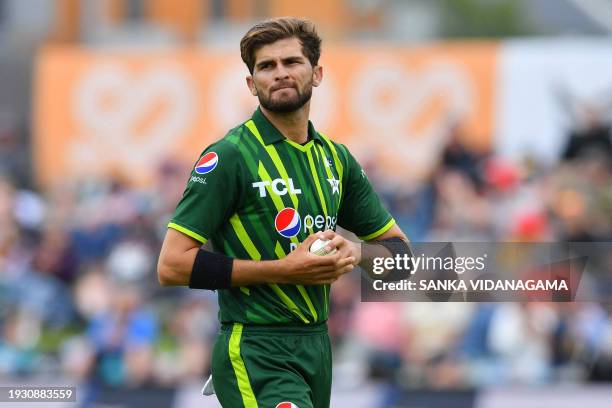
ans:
(281, 72)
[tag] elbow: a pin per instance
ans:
(174, 266)
(166, 276)
(163, 275)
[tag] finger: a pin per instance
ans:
(330, 268)
(308, 241)
(325, 268)
(337, 242)
(345, 269)
(342, 262)
(346, 252)
(328, 234)
(329, 259)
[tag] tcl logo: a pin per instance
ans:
(279, 187)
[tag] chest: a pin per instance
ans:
(296, 190)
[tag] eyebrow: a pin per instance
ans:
(286, 59)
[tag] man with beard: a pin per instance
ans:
(262, 195)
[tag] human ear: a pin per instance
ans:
(317, 75)
(251, 85)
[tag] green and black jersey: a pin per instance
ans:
(256, 195)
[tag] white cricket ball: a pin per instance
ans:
(318, 247)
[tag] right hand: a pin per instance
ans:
(302, 267)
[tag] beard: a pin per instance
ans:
(286, 105)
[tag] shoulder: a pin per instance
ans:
(225, 154)
(229, 145)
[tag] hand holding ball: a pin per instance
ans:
(318, 247)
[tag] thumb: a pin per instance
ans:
(311, 238)
(328, 234)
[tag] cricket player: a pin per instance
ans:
(262, 195)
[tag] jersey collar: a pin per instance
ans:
(271, 135)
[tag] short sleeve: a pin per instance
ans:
(212, 192)
(361, 211)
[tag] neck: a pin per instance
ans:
(292, 125)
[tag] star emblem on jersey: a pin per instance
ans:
(335, 184)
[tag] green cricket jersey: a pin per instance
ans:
(256, 195)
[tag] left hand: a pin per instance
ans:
(345, 247)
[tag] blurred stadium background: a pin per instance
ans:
(476, 120)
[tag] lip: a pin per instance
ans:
(283, 87)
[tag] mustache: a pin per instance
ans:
(282, 85)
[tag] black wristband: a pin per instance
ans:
(397, 246)
(211, 271)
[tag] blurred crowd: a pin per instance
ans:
(78, 290)
(482, 197)
(79, 295)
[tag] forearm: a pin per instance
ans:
(375, 255)
(183, 263)
(177, 271)
(246, 272)
(367, 251)
(371, 250)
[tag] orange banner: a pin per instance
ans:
(123, 113)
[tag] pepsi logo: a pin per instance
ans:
(287, 222)
(207, 163)
(286, 405)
